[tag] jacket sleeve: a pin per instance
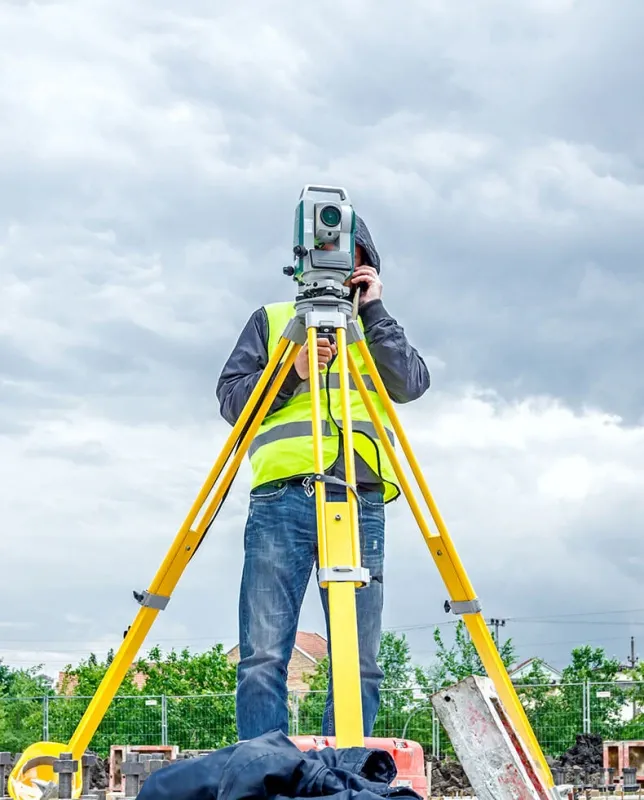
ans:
(244, 367)
(402, 369)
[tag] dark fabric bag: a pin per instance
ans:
(272, 767)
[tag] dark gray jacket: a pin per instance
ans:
(401, 368)
(272, 767)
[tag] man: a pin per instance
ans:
(280, 540)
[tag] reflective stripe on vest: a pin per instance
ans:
(283, 445)
(334, 383)
(290, 430)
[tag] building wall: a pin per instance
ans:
(299, 666)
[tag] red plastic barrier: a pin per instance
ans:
(408, 756)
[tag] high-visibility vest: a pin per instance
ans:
(282, 448)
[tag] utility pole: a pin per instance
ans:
(633, 658)
(632, 662)
(497, 623)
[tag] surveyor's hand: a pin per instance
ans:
(326, 351)
(373, 289)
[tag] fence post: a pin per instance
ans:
(164, 720)
(45, 718)
(296, 710)
(586, 707)
(436, 731)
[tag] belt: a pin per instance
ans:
(366, 488)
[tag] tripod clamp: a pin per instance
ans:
(344, 575)
(463, 606)
(318, 477)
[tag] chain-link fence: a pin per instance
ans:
(557, 713)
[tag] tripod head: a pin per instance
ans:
(323, 243)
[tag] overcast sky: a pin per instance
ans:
(151, 157)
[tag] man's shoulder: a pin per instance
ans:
(279, 305)
(263, 320)
(278, 313)
(261, 314)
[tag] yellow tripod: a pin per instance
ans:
(339, 548)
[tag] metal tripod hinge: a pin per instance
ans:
(344, 575)
(149, 600)
(463, 606)
(325, 318)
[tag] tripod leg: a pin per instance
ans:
(339, 555)
(463, 596)
(183, 547)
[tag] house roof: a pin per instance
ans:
(529, 661)
(311, 644)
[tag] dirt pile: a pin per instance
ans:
(448, 777)
(99, 774)
(583, 762)
(582, 765)
(587, 752)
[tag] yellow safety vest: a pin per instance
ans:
(283, 446)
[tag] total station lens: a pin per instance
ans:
(331, 216)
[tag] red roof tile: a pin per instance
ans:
(313, 644)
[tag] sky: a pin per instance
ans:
(151, 157)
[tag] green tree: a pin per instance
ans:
(461, 660)
(186, 674)
(310, 708)
(5, 678)
(397, 701)
(634, 729)
(556, 711)
(396, 691)
(200, 695)
(29, 682)
(22, 693)
(592, 664)
(200, 702)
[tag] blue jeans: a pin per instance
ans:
(280, 544)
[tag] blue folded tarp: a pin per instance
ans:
(272, 767)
